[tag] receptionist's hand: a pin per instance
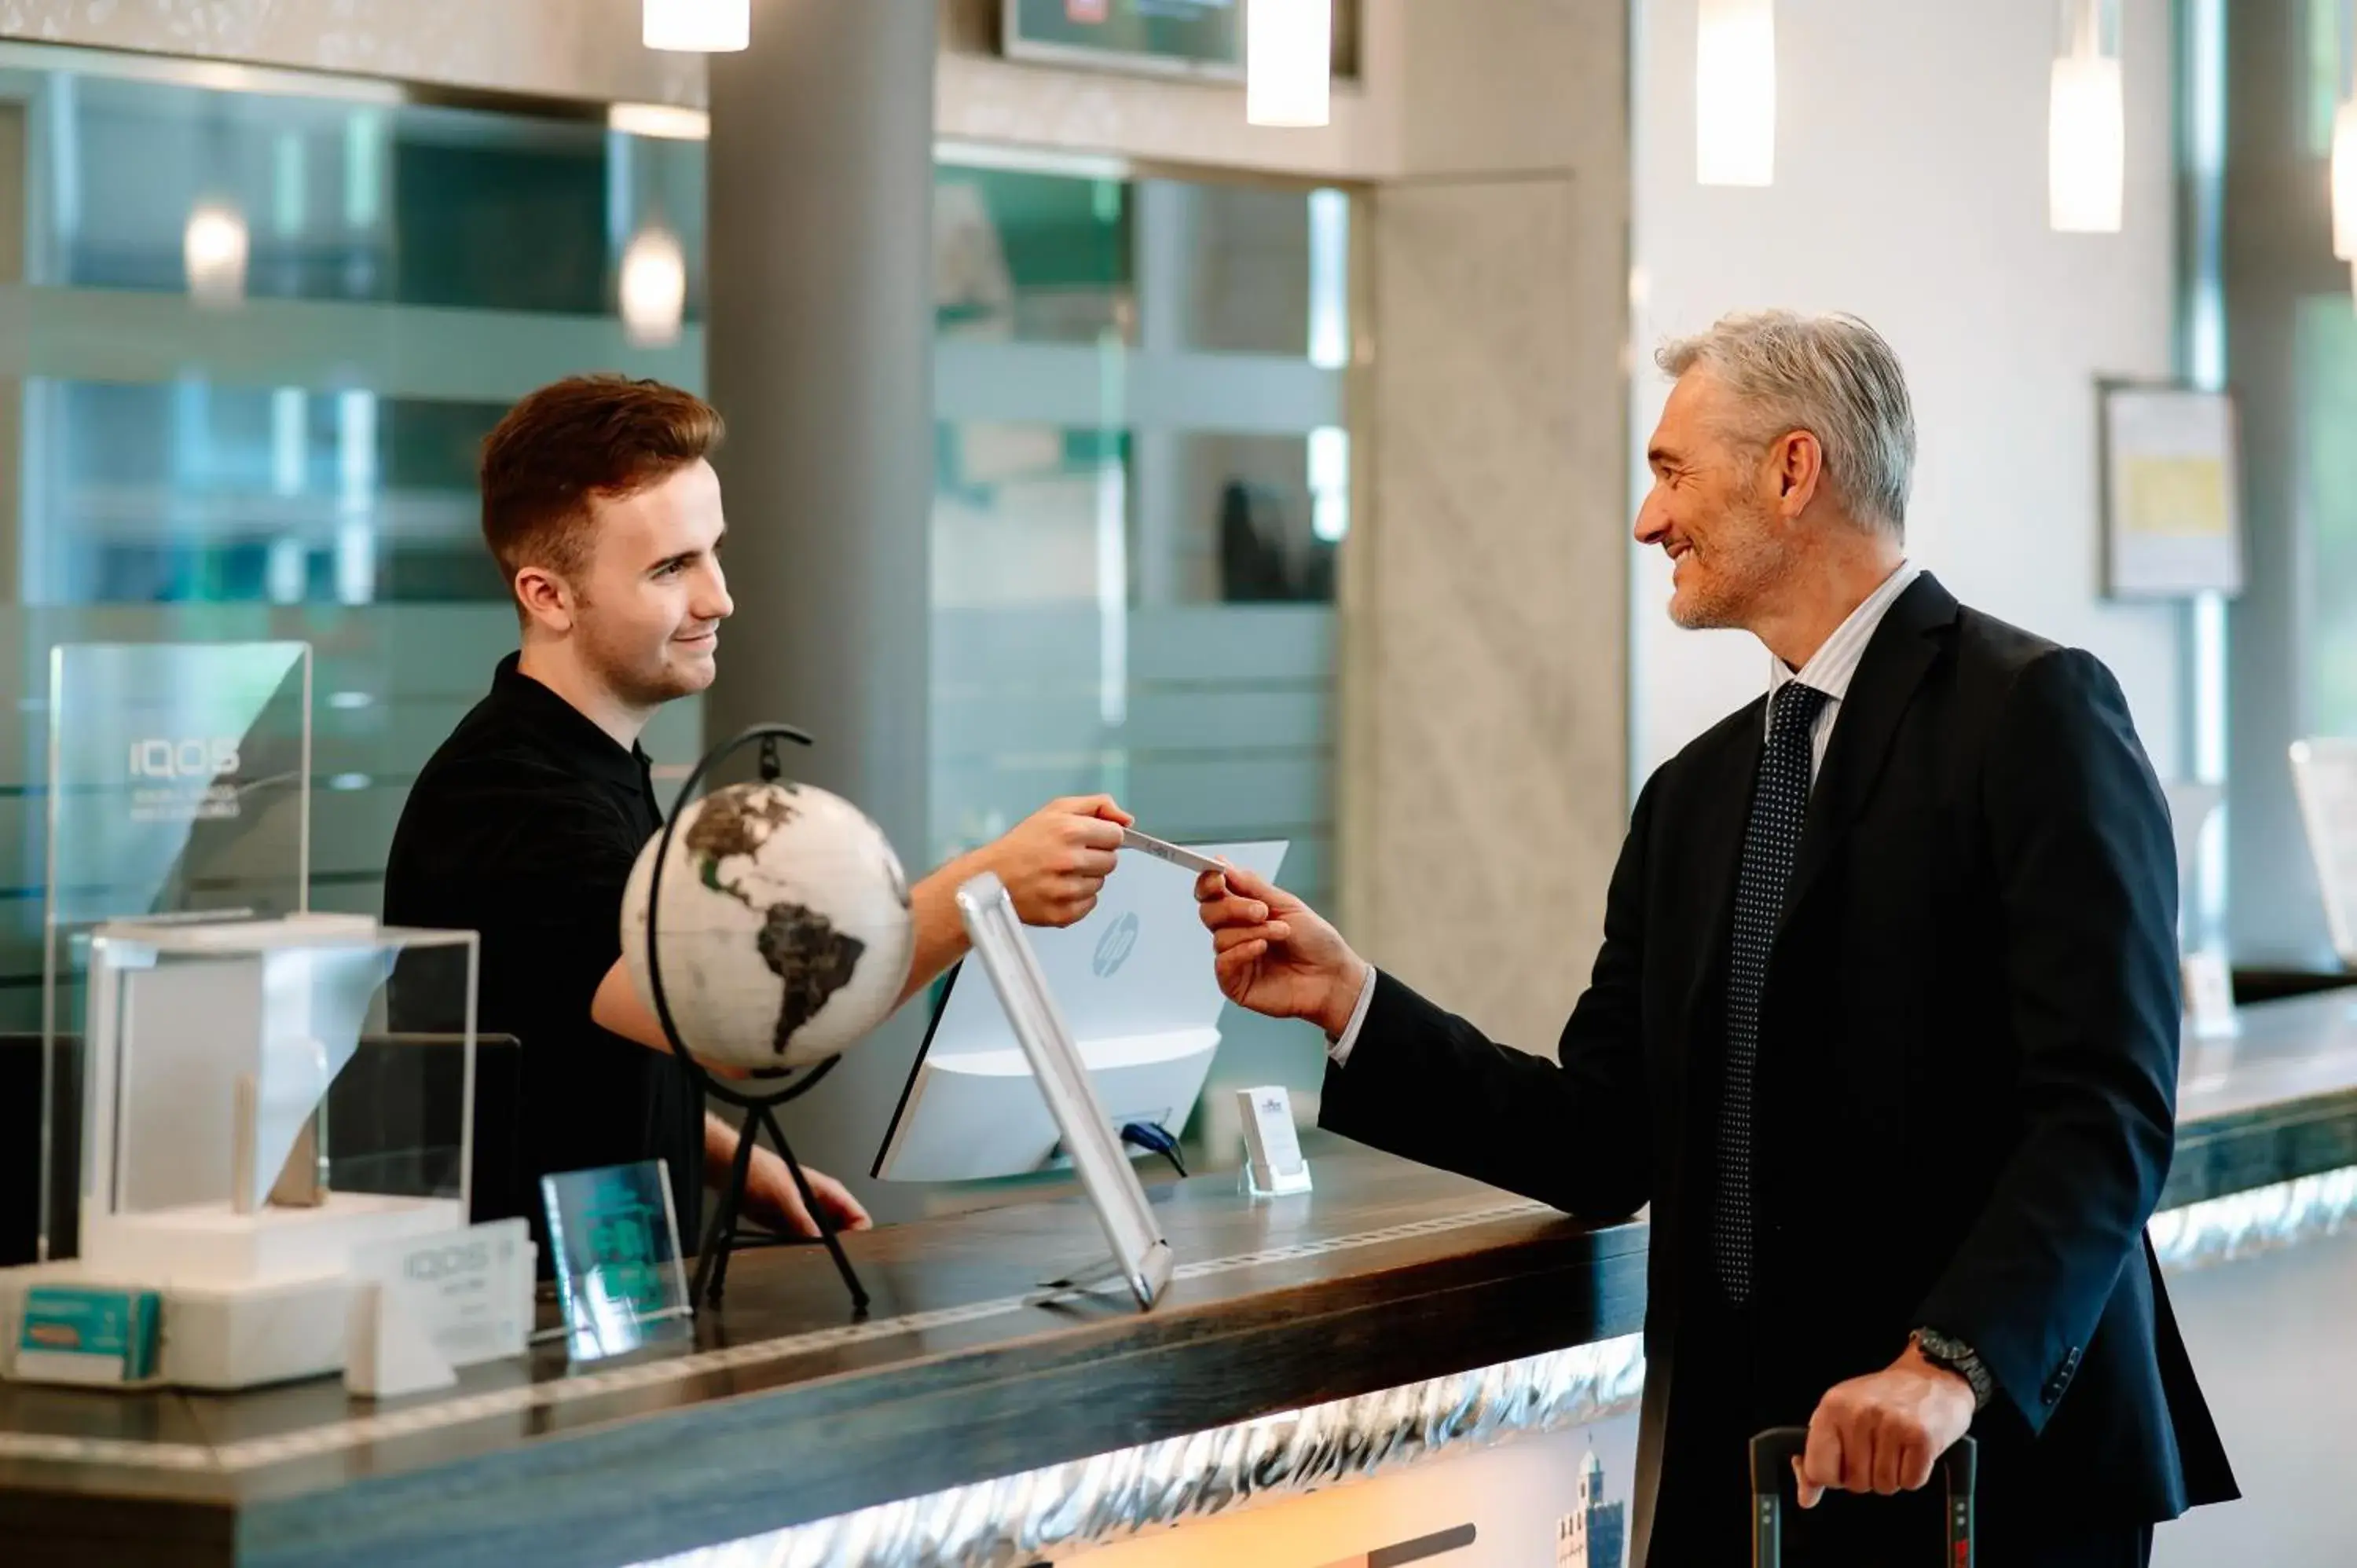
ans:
(1056, 860)
(771, 1200)
(1275, 954)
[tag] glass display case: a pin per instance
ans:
(213, 1153)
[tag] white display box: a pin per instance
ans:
(215, 1168)
(211, 1048)
(208, 1244)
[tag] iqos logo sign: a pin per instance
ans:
(184, 759)
(1115, 946)
(441, 1262)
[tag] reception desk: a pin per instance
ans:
(786, 1411)
(1393, 1316)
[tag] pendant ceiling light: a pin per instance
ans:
(1734, 92)
(697, 27)
(668, 122)
(2344, 183)
(2086, 145)
(1288, 62)
(653, 288)
(213, 248)
(2344, 178)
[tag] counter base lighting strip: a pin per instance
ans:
(1093, 1501)
(1020, 1518)
(2263, 1219)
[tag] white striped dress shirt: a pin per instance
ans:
(1832, 667)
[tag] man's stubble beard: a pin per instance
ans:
(663, 683)
(1756, 567)
(641, 686)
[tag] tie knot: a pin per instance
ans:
(1797, 707)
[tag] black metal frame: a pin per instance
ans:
(721, 1235)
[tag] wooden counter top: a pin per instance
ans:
(785, 1411)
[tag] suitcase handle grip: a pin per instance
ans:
(1773, 1455)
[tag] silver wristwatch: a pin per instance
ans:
(1953, 1353)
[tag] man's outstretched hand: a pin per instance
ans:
(1275, 954)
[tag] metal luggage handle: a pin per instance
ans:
(1773, 1454)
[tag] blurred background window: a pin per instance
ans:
(251, 338)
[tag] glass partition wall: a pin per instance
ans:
(253, 325)
(1141, 480)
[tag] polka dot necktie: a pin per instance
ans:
(1780, 799)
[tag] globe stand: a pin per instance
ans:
(721, 1235)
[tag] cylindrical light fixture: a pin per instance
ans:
(1288, 62)
(653, 288)
(213, 249)
(1734, 92)
(697, 27)
(2086, 145)
(668, 121)
(2345, 182)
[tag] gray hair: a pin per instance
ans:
(1833, 376)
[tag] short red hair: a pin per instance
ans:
(572, 440)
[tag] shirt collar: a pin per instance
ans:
(567, 732)
(1831, 669)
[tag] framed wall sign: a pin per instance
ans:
(1200, 39)
(1180, 38)
(2171, 487)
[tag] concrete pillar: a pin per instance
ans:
(1482, 779)
(819, 357)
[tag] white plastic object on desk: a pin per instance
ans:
(422, 1307)
(2210, 996)
(1273, 1165)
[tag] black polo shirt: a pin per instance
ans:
(523, 827)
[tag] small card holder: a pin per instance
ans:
(1273, 1165)
(619, 1277)
(2210, 996)
(424, 1306)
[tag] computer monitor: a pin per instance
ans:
(1137, 986)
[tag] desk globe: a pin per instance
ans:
(784, 923)
(768, 928)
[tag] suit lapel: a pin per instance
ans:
(1894, 664)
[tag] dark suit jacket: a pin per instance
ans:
(1965, 1093)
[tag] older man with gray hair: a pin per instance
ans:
(1884, 1027)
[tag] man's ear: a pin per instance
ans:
(1797, 463)
(547, 600)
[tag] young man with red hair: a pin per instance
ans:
(602, 508)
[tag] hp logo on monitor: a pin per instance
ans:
(1115, 946)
